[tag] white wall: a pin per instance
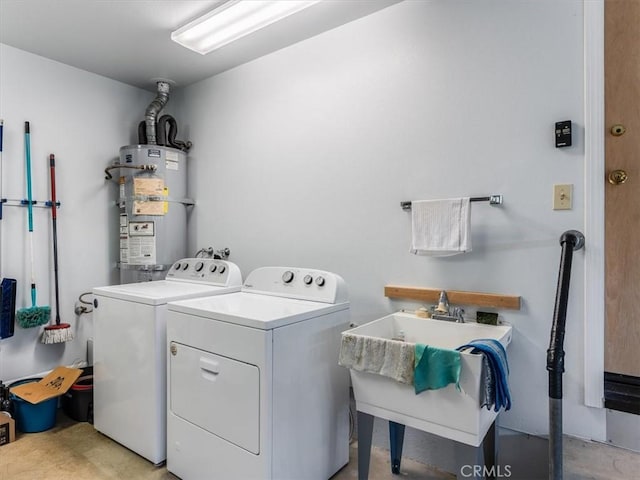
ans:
(301, 158)
(83, 119)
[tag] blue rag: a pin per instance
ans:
(435, 368)
(496, 355)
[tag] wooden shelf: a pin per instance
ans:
(431, 295)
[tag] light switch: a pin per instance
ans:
(562, 195)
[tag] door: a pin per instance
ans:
(218, 394)
(622, 191)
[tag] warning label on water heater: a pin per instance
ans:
(141, 243)
(124, 238)
(171, 161)
(152, 190)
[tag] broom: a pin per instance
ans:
(32, 316)
(60, 332)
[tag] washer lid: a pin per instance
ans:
(254, 310)
(161, 291)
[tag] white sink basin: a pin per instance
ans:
(447, 412)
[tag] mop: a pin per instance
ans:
(32, 316)
(60, 332)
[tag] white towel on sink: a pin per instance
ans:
(441, 227)
(390, 358)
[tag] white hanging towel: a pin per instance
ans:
(441, 227)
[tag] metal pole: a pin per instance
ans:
(555, 438)
(569, 241)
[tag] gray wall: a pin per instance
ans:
(301, 158)
(83, 119)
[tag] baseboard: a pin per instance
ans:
(622, 392)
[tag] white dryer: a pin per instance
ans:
(254, 386)
(130, 350)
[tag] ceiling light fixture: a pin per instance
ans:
(233, 20)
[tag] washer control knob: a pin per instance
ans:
(199, 266)
(222, 269)
(185, 266)
(308, 279)
(287, 277)
(213, 267)
(177, 266)
(320, 281)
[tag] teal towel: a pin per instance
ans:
(435, 368)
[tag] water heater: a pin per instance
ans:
(153, 210)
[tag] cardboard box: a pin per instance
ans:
(53, 385)
(7, 429)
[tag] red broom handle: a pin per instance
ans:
(52, 166)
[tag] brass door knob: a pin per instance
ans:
(617, 177)
(618, 130)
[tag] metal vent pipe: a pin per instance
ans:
(154, 108)
(570, 241)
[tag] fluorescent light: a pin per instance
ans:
(233, 20)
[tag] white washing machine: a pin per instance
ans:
(254, 386)
(130, 350)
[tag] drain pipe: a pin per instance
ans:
(569, 241)
(154, 108)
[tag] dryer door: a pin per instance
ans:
(216, 393)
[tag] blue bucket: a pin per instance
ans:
(32, 418)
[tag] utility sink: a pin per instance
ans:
(447, 412)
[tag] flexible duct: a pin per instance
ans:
(170, 139)
(154, 109)
(142, 133)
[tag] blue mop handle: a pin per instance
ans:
(27, 149)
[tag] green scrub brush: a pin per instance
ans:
(32, 316)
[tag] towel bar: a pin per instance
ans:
(492, 199)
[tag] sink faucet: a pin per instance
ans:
(443, 303)
(444, 312)
(458, 312)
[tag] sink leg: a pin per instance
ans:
(490, 447)
(365, 433)
(474, 462)
(396, 439)
(469, 461)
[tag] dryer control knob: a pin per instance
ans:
(320, 281)
(176, 266)
(185, 266)
(213, 268)
(308, 279)
(287, 277)
(222, 269)
(199, 266)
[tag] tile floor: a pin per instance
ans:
(77, 451)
